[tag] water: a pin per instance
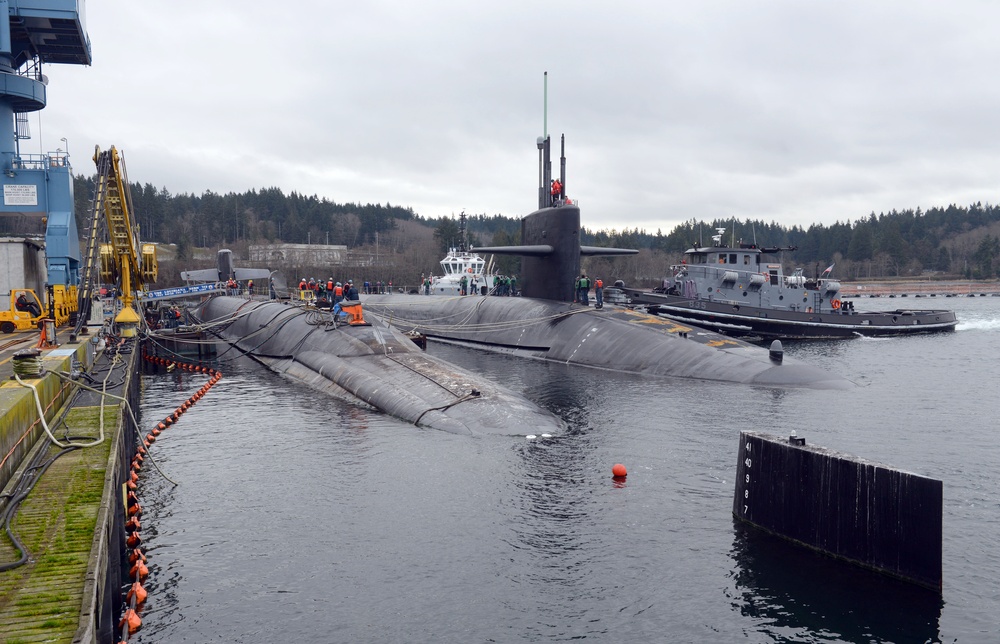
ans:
(302, 518)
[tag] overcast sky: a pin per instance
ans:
(795, 111)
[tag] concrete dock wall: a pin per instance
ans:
(865, 512)
(107, 569)
(19, 424)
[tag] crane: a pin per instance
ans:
(123, 260)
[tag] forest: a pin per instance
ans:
(937, 243)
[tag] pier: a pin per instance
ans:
(62, 583)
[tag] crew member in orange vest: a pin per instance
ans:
(599, 292)
(556, 191)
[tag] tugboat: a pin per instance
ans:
(736, 291)
(459, 263)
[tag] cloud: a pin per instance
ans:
(794, 112)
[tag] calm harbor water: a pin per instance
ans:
(299, 517)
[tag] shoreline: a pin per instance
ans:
(920, 287)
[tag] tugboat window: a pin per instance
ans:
(732, 258)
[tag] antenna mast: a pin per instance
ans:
(544, 162)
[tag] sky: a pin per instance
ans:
(796, 112)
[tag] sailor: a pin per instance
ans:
(556, 191)
(583, 288)
(329, 285)
(599, 292)
(250, 287)
(302, 284)
(351, 293)
(463, 285)
(338, 293)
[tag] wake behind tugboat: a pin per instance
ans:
(735, 291)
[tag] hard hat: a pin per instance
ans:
(339, 284)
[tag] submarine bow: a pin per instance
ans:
(372, 364)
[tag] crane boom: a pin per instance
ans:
(123, 260)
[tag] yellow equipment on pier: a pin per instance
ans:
(123, 260)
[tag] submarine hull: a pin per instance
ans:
(609, 338)
(374, 365)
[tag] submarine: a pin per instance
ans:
(545, 323)
(366, 361)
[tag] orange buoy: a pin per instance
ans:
(130, 620)
(135, 555)
(139, 569)
(138, 592)
(133, 525)
(131, 485)
(619, 471)
(133, 540)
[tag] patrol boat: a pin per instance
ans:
(738, 292)
(458, 263)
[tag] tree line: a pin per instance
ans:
(954, 241)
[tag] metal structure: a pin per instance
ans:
(39, 186)
(122, 261)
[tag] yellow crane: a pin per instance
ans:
(124, 262)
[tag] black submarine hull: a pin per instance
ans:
(374, 365)
(741, 320)
(612, 338)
